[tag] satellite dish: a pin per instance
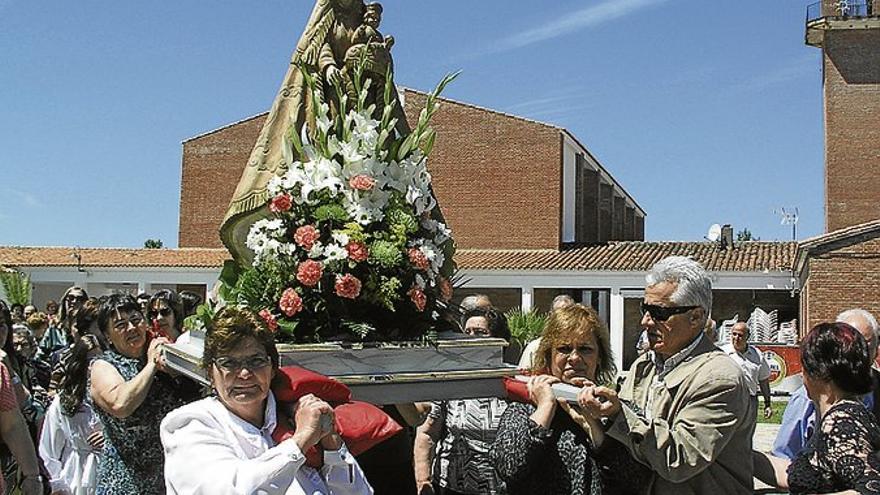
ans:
(714, 232)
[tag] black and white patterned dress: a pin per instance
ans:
(561, 460)
(462, 462)
(841, 455)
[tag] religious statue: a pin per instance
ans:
(340, 35)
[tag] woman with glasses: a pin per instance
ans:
(130, 400)
(72, 436)
(550, 446)
(223, 444)
(166, 314)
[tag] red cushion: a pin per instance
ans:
(516, 390)
(360, 424)
(292, 382)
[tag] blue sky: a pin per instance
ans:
(705, 111)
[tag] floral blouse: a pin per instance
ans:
(841, 455)
(561, 460)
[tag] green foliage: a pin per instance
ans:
(746, 235)
(153, 244)
(359, 329)
(385, 254)
(261, 288)
(17, 287)
(525, 326)
(331, 212)
(406, 221)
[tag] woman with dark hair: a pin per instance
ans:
(72, 300)
(223, 444)
(166, 314)
(842, 454)
(555, 447)
(72, 436)
(130, 400)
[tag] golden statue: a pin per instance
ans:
(340, 35)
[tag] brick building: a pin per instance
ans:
(841, 269)
(502, 181)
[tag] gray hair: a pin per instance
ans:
(472, 301)
(872, 322)
(694, 285)
(562, 300)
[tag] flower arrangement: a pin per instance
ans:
(353, 245)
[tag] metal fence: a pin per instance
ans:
(843, 8)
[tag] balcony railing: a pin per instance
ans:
(843, 8)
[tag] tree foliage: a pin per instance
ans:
(153, 244)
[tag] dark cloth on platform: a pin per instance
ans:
(388, 466)
(841, 455)
(560, 460)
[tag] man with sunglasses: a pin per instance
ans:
(682, 408)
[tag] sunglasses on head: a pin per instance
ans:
(660, 313)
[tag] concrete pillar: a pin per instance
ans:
(615, 326)
(528, 298)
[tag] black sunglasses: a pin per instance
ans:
(166, 312)
(660, 313)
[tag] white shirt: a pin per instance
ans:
(211, 451)
(70, 460)
(753, 363)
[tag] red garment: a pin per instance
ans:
(8, 402)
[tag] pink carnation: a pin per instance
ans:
(290, 302)
(418, 258)
(306, 236)
(348, 286)
(309, 273)
(445, 287)
(357, 251)
(362, 182)
(280, 203)
(417, 296)
(269, 319)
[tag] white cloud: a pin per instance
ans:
(794, 70)
(596, 15)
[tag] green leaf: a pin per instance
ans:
(429, 142)
(287, 326)
(230, 273)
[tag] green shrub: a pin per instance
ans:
(525, 326)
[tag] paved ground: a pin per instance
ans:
(765, 433)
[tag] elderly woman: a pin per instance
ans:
(223, 444)
(130, 400)
(552, 447)
(72, 436)
(843, 454)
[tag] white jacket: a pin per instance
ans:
(211, 451)
(70, 460)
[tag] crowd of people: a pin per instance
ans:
(88, 406)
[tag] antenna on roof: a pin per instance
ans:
(788, 216)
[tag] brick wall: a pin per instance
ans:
(212, 167)
(497, 178)
(852, 127)
(843, 279)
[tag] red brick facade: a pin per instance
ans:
(844, 278)
(852, 127)
(212, 166)
(497, 177)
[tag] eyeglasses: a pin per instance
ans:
(75, 297)
(234, 365)
(164, 312)
(122, 324)
(661, 313)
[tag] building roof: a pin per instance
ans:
(752, 256)
(837, 239)
(24, 256)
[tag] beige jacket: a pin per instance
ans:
(697, 440)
